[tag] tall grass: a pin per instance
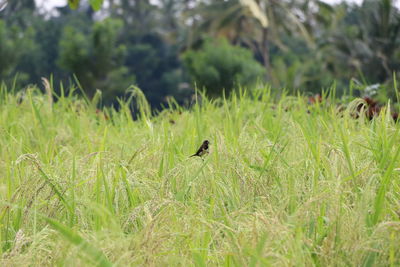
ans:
(286, 183)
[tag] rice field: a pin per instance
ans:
(286, 183)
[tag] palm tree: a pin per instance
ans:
(253, 23)
(367, 41)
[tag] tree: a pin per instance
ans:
(254, 24)
(366, 41)
(9, 56)
(16, 45)
(219, 66)
(96, 4)
(96, 59)
(150, 35)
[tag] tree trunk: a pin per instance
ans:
(266, 57)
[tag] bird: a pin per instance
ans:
(203, 150)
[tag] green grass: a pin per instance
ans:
(281, 187)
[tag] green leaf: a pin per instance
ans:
(73, 3)
(256, 12)
(73, 237)
(96, 4)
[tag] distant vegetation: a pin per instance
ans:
(219, 67)
(302, 45)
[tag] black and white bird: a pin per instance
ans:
(203, 150)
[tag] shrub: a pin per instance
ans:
(219, 66)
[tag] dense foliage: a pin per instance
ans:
(302, 45)
(219, 67)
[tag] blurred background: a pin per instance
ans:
(167, 47)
